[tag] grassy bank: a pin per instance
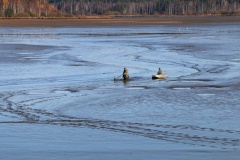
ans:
(113, 21)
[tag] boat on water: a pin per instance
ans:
(159, 76)
(121, 79)
(155, 76)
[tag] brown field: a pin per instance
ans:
(116, 21)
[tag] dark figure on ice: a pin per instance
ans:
(159, 71)
(125, 74)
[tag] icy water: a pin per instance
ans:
(59, 100)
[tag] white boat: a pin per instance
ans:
(160, 76)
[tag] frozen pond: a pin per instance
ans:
(59, 100)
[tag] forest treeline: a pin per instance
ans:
(25, 8)
(58, 8)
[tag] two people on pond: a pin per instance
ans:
(126, 75)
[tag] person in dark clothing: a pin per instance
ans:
(159, 71)
(125, 74)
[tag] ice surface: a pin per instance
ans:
(59, 100)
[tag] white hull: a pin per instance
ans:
(161, 76)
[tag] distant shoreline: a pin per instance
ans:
(114, 21)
